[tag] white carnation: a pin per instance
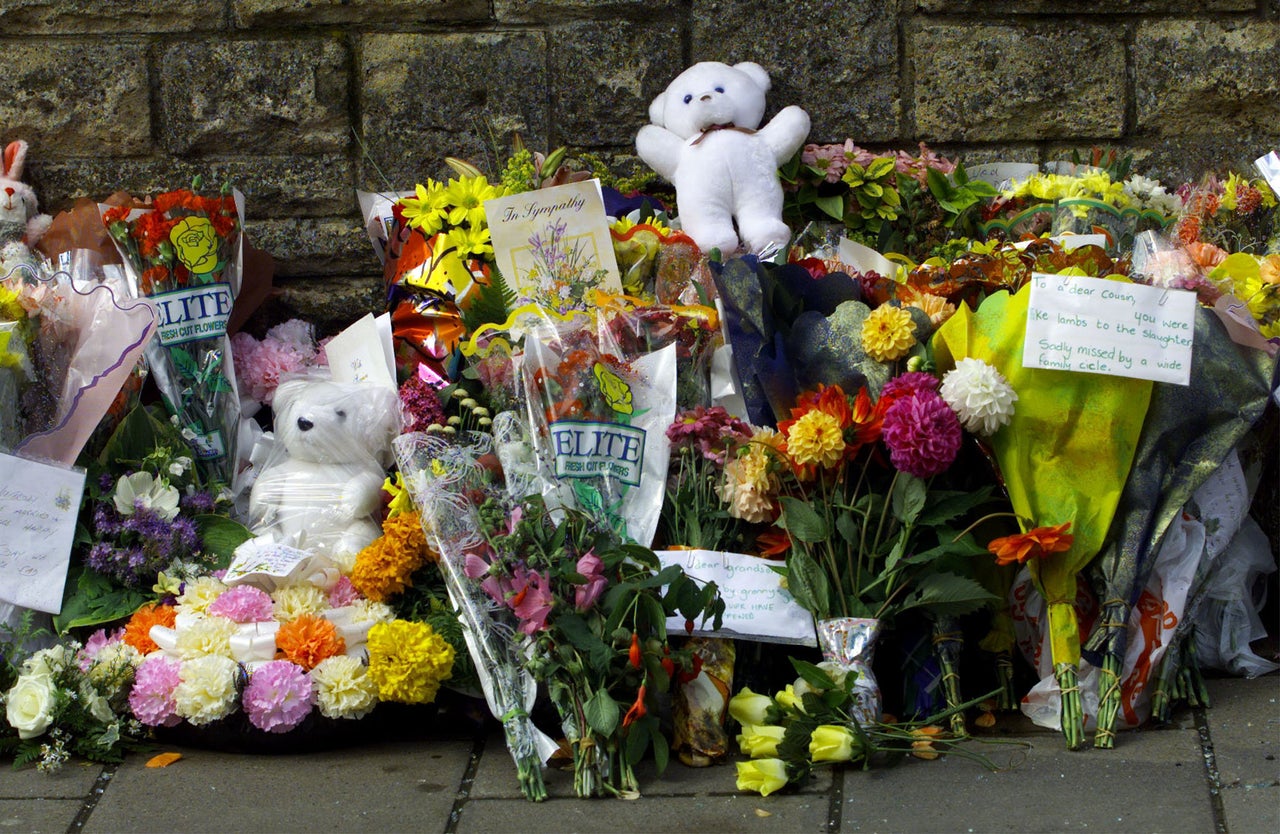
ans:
(207, 689)
(979, 395)
(343, 688)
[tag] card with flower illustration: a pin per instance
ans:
(39, 504)
(553, 245)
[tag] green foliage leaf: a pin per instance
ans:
(832, 205)
(807, 582)
(602, 713)
(585, 640)
(802, 521)
(93, 600)
(945, 506)
(880, 167)
(812, 675)
(184, 363)
(491, 303)
(221, 536)
(946, 594)
(847, 527)
(909, 494)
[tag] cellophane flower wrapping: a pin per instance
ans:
(184, 253)
(598, 418)
(444, 476)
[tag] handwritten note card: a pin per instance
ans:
(553, 245)
(363, 352)
(39, 504)
(757, 607)
(1109, 327)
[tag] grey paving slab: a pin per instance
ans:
(496, 778)
(651, 814)
(73, 781)
(1152, 781)
(38, 815)
(1244, 723)
(1252, 810)
(383, 787)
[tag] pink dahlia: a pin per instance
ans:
(278, 696)
(243, 604)
(922, 433)
(151, 698)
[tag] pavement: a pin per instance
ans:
(1211, 770)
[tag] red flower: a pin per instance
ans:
(637, 709)
(1033, 544)
(634, 656)
(773, 543)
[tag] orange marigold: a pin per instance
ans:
(309, 639)
(384, 568)
(137, 632)
(1033, 544)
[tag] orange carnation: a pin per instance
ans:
(308, 639)
(137, 632)
(1033, 544)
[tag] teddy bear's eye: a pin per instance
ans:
(687, 98)
(342, 415)
(719, 89)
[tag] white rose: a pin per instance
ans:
(30, 708)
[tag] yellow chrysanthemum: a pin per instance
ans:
(466, 197)
(888, 333)
(816, 439)
(408, 660)
(428, 209)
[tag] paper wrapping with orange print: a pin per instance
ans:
(1066, 453)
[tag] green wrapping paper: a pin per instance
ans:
(1065, 456)
(1188, 432)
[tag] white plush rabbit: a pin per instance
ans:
(21, 223)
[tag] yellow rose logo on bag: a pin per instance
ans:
(615, 391)
(197, 244)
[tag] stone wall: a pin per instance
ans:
(303, 102)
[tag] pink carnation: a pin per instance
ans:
(343, 593)
(243, 604)
(151, 698)
(923, 434)
(278, 696)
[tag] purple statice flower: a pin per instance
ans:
(278, 696)
(106, 521)
(184, 536)
(101, 558)
(923, 434)
(105, 482)
(197, 503)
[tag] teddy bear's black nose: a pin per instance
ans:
(304, 424)
(705, 97)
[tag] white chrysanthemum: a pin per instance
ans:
(343, 688)
(207, 689)
(114, 664)
(206, 636)
(292, 601)
(199, 594)
(979, 395)
(142, 489)
(368, 611)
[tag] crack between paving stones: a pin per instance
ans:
(91, 801)
(464, 787)
(1211, 771)
(835, 802)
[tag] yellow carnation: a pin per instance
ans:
(206, 636)
(207, 689)
(199, 594)
(292, 601)
(888, 333)
(407, 661)
(343, 688)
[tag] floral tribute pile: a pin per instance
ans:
(963, 531)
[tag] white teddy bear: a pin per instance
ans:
(704, 140)
(320, 486)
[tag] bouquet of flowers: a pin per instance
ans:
(183, 252)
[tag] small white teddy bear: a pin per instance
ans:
(704, 140)
(21, 223)
(320, 486)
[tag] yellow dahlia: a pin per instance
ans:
(888, 333)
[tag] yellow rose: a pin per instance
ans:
(30, 707)
(789, 699)
(763, 775)
(197, 244)
(760, 740)
(616, 392)
(832, 743)
(748, 708)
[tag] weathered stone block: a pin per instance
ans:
(1072, 7)
(76, 98)
(603, 76)
(254, 97)
(1201, 77)
(376, 13)
(330, 304)
(274, 187)
(999, 83)
(1177, 158)
(839, 64)
(425, 97)
(542, 11)
(73, 17)
(316, 246)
